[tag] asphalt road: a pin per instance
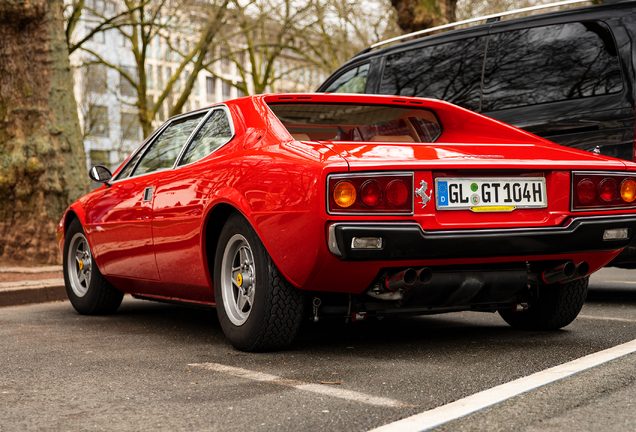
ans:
(162, 367)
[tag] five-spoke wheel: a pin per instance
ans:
(257, 308)
(88, 291)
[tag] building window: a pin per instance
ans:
(168, 51)
(159, 77)
(227, 87)
(126, 88)
(168, 75)
(225, 60)
(97, 121)
(210, 83)
(130, 128)
(149, 81)
(96, 79)
(157, 47)
(239, 91)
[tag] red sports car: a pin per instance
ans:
(277, 207)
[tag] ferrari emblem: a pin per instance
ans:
(421, 192)
(239, 280)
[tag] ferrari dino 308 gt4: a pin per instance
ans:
(275, 207)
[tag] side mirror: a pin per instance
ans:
(100, 174)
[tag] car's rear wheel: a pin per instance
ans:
(257, 308)
(88, 291)
(557, 306)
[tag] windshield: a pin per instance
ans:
(357, 122)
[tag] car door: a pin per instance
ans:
(122, 218)
(178, 207)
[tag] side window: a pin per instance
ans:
(352, 81)
(550, 63)
(127, 170)
(450, 72)
(166, 148)
(215, 132)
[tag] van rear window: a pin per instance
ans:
(357, 122)
(550, 63)
(449, 71)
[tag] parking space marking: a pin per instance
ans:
(463, 407)
(606, 318)
(326, 390)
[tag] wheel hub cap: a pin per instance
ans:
(238, 279)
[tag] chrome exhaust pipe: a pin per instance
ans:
(555, 274)
(424, 275)
(582, 270)
(402, 280)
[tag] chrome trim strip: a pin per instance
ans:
(199, 127)
(157, 133)
(332, 243)
(472, 20)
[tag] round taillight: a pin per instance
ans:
(628, 190)
(344, 194)
(586, 191)
(397, 193)
(607, 190)
(371, 193)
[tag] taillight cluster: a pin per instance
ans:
(384, 193)
(603, 191)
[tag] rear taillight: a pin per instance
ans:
(373, 193)
(602, 191)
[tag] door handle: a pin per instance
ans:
(148, 193)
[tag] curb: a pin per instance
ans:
(30, 270)
(38, 291)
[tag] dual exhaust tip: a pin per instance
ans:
(409, 278)
(563, 273)
(566, 272)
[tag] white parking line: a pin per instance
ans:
(478, 401)
(314, 388)
(606, 318)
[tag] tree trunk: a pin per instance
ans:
(414, 15)
(42, 161)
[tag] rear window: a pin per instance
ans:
(549, 64)
(359, 122)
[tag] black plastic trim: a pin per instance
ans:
(407, 241)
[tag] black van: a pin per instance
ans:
(567, 76)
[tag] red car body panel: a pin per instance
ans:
(157, 248)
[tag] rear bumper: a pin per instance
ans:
(408, 241)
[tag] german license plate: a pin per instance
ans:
(490, 194)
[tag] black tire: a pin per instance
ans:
(556, 306)
(92, 294)
(272, 317)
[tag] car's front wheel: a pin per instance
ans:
(257, 308)
(557, 306)
(88, 291)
